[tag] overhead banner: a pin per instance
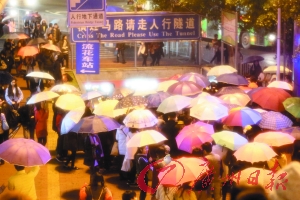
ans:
(229, 27)
(141, 27)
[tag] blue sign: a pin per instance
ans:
(141, 27)
(86, 13)
(87, 58)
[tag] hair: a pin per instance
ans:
(64, 36)
(38, 106)
(172, 114)
(10, 89)
(128, 195)
(185, 186)
(50, 24)
(96, 178)
(19, 168)
(245, 192)
(207, 147)
(133, 130)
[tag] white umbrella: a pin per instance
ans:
(91, 95)
(71, 119)
(204, 99)
(140, 119)
(174, 104)
(273, 69)
(236, 98)
(64, 88)
(145, 138)
(69, 102)
(281, 84)
(40, 75)
(229, 139)
(42, 96)
(209, 111)
(221, 69)
(164, 86)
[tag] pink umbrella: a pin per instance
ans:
(196, 78)
(24, 152)
(28, 51)
(185, 88)
(174, 77)
(274, 138)
(194, 135)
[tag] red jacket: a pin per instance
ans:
(41, 117)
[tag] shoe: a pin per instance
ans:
(74, 168)
(59, 159)
(2, 162)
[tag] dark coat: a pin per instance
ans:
(92, 152)
(71, 141)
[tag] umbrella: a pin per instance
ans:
(42, 96)
(229, 90)
(273, 69)
(114, 9)
(7, 18)
(95, 124)
(91, 95)
(263, 179)
(242, 117)
(274, 138)
(233, 79)
(255, 152)
(5, 78)
(42, 75)
(131, 102)
(145, 138)
(36, 41)
(196, 78)
(154, 100)
(230, 106)
(71, 119)
(293, 131)
(229, 139)
(174, 104)
(140, 119)
(292, 105)
(274, 121)
(204, 99)
(185, 88)
(194, 135)
(24, 152)
(236, 98)
(175, 77)
(252, 59)
(107, 107)
(182, 170)
(64, 88)
(260, 110)
(163, 86)
(121, 93)
(51, 47)
(28, 51)
(209, 111)
(270, 98)
(221, 69)
(69, 102)
(14, 36)
(253, 91)
(281, 84)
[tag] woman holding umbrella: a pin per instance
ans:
(13, 94)
(141, 162)
(41, 114)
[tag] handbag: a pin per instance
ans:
(127, 165)
(115, 149)
(5, 126)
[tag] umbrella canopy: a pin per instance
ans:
(64, 88)
(107, 108)
(242, 117)
(140, 119)
(196, 78)
(183, 170)
(260, 110)
(229, 90)
(281, 85)
(5, 78)
(42, 75)
(95, 124)
(154, 100)
(221, 69)
(28, 51)
(263, 179)
(42, 96)
(7, 18)
(131, 102)
(274, 138)
(236, 98)
(14, 36)
(164, 85)
(71, 119)
(209, 111)
(24, 152)
(91, 95)
(36, 41)
(51, 47)
(230, 106)
(202, 99)
(69, 102)
(253, 91)
(185, 88)
(145, 138)
(271, 98)
(254, 152)
(120, 93)
(233, 79)
(292, 105)
(252, 59)
(293, 131)
(229, 139)
(194, 135)
(274, 121)
(175, 77)
(114, 9)
(273, 69)
(174, 104)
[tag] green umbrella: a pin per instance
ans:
(292, 105)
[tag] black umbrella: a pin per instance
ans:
(36, 41)
(252, 59)
(5, 78)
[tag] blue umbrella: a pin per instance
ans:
(114, 9)
(274, 121)
(154, 100)
(233, 79)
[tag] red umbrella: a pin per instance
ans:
(271, 98)
(185, 88)
(175, 77)
(28, 51)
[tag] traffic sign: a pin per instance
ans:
(87, 58)
(86, 13)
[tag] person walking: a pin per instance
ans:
(93, 152)
(143, 50)
(56, 34)
(71, 144)
(120, 48)
(41, 114)
(13, 94)
(141, 162)
(65, 49)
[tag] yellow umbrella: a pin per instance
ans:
(236, 98)
(69, 102)
(106, 108)
(163, 86)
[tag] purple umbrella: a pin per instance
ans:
(229, 90)
(274, 121)
(185, 88)
(196, 78)
(233, 79)
(95, 124)
(154, 100)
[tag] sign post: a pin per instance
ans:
(87, 58)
